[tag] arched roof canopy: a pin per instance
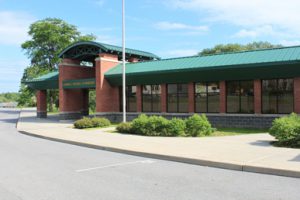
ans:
(88, 51)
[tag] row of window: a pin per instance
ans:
(277, 97)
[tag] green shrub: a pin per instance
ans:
(176, 127)
(156, 126)
(287, 130)
(124, 127)
(138, 125)
(83, 123)
(100, 122)
(198, 125)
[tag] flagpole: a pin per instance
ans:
(123, 61)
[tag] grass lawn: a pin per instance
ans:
(237, 131)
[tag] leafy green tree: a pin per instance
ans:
(225, 48)
(9, 97)
(48, 38)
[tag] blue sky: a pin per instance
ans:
(168, 28)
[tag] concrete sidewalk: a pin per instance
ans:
(251, 153)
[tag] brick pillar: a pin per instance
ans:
(191, 94)
(41, 101)
(73, 103)
(139, 91)
(222, 97)
(163, 98)
(297, 95)
(257, 96)
(107, 96)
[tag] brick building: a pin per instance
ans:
(241, 89)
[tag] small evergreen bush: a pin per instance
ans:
(100, 122)
(287, 130)
(198, 125)
(156, 126)
(124, 127)
(176, 127)
(83, 123)
(94, 122)
(138, 125)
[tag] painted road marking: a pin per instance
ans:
(148, 161)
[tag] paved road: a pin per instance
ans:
(37, 169)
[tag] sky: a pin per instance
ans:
(168, 28)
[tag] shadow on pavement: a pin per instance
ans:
(262, 143)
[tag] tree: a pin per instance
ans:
(48, 38)
(221, 48)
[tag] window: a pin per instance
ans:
(178, 98)
(130, 99)
(277, 96)
(151, 98)
(240, 97)
(207, 97)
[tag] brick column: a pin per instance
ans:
(191, 94)
(222, 97)
(257, 96)
(107, 96)
(297, 95)
(73, 103)
(163, 98)
(41, 101)
(139, 91)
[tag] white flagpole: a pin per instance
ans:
(123, 61)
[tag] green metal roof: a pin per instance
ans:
(206, 67)
(47, 81)
(88, 50)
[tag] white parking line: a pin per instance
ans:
(116, 165)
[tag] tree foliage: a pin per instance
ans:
(226, 48)
(9, 97)
(48, 38)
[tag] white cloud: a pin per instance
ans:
(14, 27)
(282, 16)
(181, 53)
(257, 31)
(289, 42)
(179, 26)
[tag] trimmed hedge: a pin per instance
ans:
(194, 126)
(287, 130)
(94, 122)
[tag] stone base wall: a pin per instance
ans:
(41, 114)
(72, 115)
(217, 120)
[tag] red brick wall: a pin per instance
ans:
(297, 95)
(41, 100)
(222, 97)
(73, 100)
(257, 96)
(107, 97)
(139, 91)
(163, 97)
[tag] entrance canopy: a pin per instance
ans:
(47, 81)
(88, 51)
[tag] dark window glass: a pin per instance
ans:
(207, 97)
(240, 96)
(277, 96)
(151, 98)
(177, 98)
(130, 99)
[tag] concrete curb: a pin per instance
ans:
(201, 162)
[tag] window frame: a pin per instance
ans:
(177, 97)
(152, 95)
(240, 99)
(277, 99)
(206, 89)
